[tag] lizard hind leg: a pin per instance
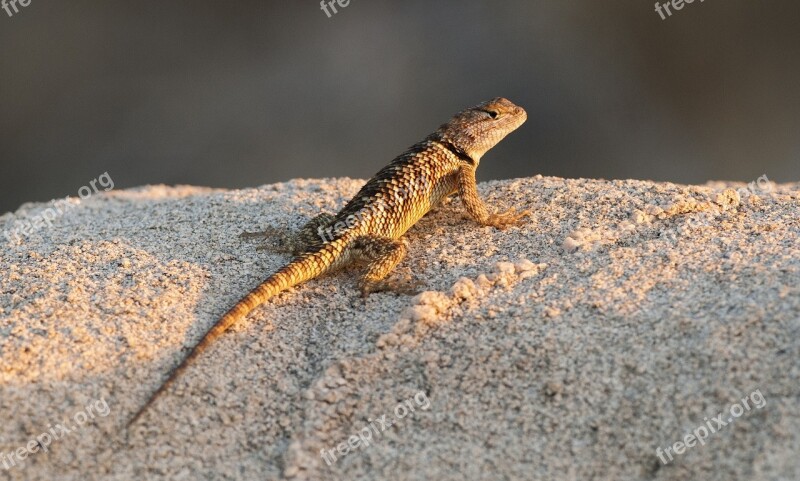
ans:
(311, 235)
(382, 254)
(314, 233)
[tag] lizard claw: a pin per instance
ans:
(408, 286)
(252, 235)
(508, 218)
(281, 242)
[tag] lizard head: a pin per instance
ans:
(476, 130)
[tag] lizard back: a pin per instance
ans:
(404, 191)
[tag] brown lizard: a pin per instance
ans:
(370, 227)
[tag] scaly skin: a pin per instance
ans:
(370, 227)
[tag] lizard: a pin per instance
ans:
(370, 227)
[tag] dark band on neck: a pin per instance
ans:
(463, 156)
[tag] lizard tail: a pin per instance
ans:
(306, 267)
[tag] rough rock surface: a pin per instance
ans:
(623, 316)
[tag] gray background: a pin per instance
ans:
(241, 93)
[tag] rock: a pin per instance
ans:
(583, 366)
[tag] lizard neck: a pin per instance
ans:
(460, 153)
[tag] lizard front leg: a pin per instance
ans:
(382, 254)
(468, 191)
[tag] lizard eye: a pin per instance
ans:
(493, 113)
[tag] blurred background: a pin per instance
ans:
(243, 93)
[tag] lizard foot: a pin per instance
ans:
(508, 218)
(407, 286)
(272, 239)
